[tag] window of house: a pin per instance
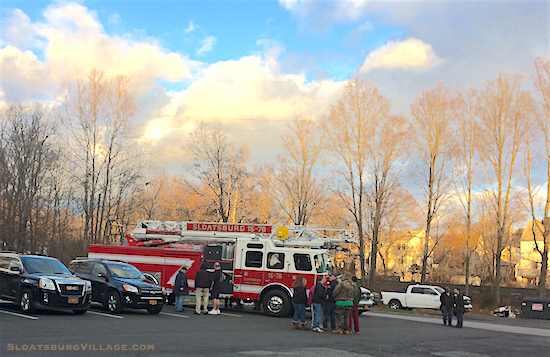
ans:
(302, 262)
(253, 259)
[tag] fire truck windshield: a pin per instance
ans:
(320, 263)
(125, 271)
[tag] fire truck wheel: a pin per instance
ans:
(276, 303)
(113, 303)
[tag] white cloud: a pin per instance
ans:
(190, 28)
(16, 29)
(74, 42)
(409, 54)
(207, 45)
(114, 19)
(249, 98)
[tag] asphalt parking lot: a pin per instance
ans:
(249, 333)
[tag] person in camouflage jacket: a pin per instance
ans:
(344, 294)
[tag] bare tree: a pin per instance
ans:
(465, 165)
(504, 110)
(542, 123)
(27, 154)
(349, 129)
(299, 187)
(432, 121)
(106, 161)
(221, 168)
(388, 143)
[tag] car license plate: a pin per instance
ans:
(152, 302)
(73, 300)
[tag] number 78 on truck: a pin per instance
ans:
(259, 262)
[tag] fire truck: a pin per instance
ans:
(259, 262)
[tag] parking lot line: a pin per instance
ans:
(227, 314)
(20, 315)
(106, 315)
(175, 315)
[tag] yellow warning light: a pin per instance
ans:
(282, 233)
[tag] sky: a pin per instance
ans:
(253, 66)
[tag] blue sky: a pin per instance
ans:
(255, 65)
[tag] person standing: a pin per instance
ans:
(202, 289)
(354, 314)
(181, 288)
(317, 302)
(459, 307)
(343, 295)
(330, 311)
(299, 299)
(447, 306)
(217, 278)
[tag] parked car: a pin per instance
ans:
(119, 285)
(39, 282)
(367, 300)
(419, 296)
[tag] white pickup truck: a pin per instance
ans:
(418, 297)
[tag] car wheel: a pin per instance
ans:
(360, 312)
(276, 303)
(79, 312)
(154, 310)
(395, 304)
(114, 304)
(25, 301)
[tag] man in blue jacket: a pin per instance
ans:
(181, 288)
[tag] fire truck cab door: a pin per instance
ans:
(252, 265)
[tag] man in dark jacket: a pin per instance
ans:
(459, 307)
(217, 279)
(447, 306)
(330, 311)
(202, 290)
(181, 288)
(317, 303)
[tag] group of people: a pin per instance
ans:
(451, 303)
(330, 299)
(206, 284)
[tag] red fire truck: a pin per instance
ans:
(259, 262)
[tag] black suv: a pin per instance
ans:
(119, 285)
(38, 282)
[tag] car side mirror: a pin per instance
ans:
(15, 269)
(102, 275)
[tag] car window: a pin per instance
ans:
(417, 291)
(5, 262)
(253, 259)
(44, 265)
(429, 291)
(125, 271)
(99, 269)
(302, 262)
(14, 262)
(275, 260)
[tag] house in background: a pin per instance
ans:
(530, 259)
(400, 254)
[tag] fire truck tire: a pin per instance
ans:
(113, 302)
(277, 303)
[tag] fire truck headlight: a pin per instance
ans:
(88, 286)
(46, 284)
(130, 288)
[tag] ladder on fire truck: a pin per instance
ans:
(162, 233)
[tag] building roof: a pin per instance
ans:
(527, 234)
